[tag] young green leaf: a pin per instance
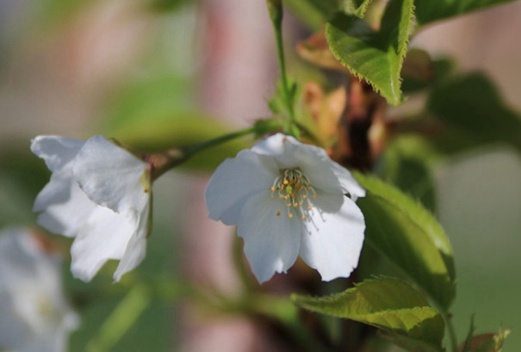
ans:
(402, 230)
(428, 11)
(376, 56)
(472, 106)
(386, 303)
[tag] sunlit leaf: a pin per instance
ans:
(376, 56)
(428, 11)
(408, 235)
(386, 303)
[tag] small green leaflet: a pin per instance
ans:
(357, 7)
(376, 56)
(408, 235)
(386, 303)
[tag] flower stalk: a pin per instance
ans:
(164, 161)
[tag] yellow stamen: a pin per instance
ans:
(294, 188)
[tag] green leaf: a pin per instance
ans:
(471, 106)
(374, 56)
(386, 303)
(408, 235)
(429, 11)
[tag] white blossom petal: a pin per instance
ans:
(111, 176)
(105, 235)
(234, 181)
(348, 183)
(56, 191)
(56, 151)
(66, 217)
(136, 247)
(332, 241)
(271, 242)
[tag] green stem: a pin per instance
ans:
(452, 332)
(162, 162)
(189, 151)
(276, 14)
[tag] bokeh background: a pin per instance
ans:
(136, 69)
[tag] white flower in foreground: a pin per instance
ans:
(99, 193)
(289, 199)
(34, 315)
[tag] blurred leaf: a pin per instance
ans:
(314, 12)
(417, 70)
(428, 11)
(386, 303)
(374, 56)
(471, 106)
(407, 163)
(156, 113)
(420, 71)
(159, 96)
(406, 233)
(413, 176)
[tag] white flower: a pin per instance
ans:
(289, 199)
(98, 193)
(34, 315)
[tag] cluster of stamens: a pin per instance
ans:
(294, 188)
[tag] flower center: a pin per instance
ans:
(294, 188)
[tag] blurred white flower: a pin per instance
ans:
(289, 199)
(99, 193)
(34, 314)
